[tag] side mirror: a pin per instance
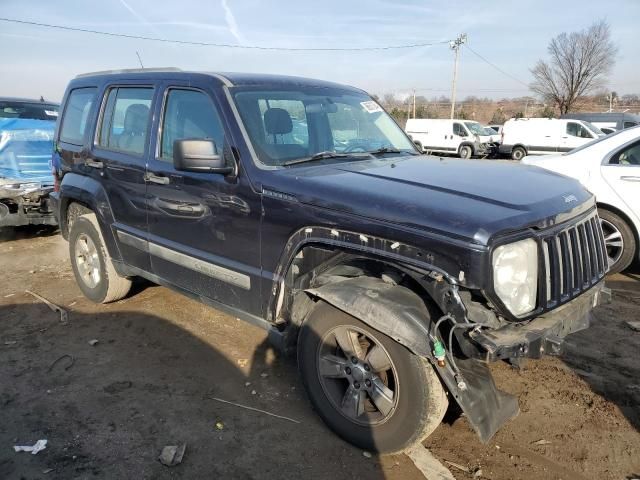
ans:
(197, 155)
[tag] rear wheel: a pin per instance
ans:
(618, 239)
(367, 388)
(465, 151)
(91, 264)
(518, 153)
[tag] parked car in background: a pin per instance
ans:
(610, 168)
(26, 145)
(463, 138)
(614, 120)
(543, 136)
(496, 128)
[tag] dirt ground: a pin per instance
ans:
(161, 359)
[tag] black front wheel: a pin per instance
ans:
(465, 152)
(367, 388)
(518, 154)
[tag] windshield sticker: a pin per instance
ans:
(371, 106)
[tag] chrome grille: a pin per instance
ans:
(575, 259)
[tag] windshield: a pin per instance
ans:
(477, 129)
(595, 130)
(489, 131)
(302, 122)
(33, 111)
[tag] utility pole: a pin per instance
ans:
(455, 46)
(414, 103)
(610, 98)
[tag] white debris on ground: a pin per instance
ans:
(34, 449)
(429, 465)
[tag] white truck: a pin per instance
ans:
(542, 136)
(464, 138)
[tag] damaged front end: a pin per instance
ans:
(25, 203)
(25, 172)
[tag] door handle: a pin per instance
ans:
(94, 164)
(161, 179)
(630, 178)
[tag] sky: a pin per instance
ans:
(511, 34)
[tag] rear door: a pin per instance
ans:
(119, 157)
(622, 173)
(204, 228)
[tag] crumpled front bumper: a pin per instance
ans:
(544, 334)
(28, 206)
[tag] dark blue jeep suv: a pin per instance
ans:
(301, 206)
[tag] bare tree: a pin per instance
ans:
(579, 64)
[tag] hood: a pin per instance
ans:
(25, 149)
(471, 199)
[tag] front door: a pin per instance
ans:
(204, 228)
(575, 135)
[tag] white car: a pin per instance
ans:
(610, 168)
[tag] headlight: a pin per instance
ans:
(515, 275)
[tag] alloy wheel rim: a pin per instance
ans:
(613, 241)
(87, 260)
(357, 375)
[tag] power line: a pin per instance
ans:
(495, 66)
(221, 45)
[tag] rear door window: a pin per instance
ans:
(126, 119)
(76, 115)
(628, 156)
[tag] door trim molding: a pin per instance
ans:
(206, 268)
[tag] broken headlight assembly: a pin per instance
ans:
(515, 275)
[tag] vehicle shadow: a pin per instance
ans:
(606, 354)
(108, 409)
(27, 231)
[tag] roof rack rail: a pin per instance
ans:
(130, 70)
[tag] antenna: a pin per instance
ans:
(139, 59)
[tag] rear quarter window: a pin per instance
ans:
(76, 115)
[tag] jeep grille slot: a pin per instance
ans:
(574, 259)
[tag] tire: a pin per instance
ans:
(518, 153)
(619, 240)
(91, 264)
(465, 152)
(419, 401)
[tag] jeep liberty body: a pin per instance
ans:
(300, 206)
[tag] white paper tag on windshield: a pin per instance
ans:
(371, 106)
(51, 113)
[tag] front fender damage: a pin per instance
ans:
(376, 302)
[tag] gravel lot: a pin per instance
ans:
(108, 409)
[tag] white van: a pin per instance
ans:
(464, 138)
(540, 136)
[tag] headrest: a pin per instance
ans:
(277, 121)
(135, 118)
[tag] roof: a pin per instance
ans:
(601, 115)
(27, 100)
(230, 79)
